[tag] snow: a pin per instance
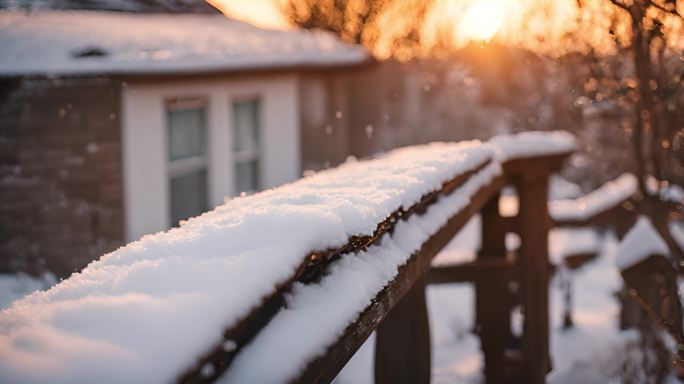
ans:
(672, 193)
(317, 314)
(13, 287)
(461, 248)
(533, 143)
(576, 241)
(640, 243)
(609, 195)
(591, 352)
(560, 188)
(49, 43)
(158, 303)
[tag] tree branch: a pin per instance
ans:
(662, 8)
(620, 4)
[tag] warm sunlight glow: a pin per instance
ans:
(540, 25)
(262, 13)
(482, 20)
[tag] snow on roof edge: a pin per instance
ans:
(90, 43)
(344, 63)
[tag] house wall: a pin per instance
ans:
(145, 141)
(60, 174)
(82, 161)
(325, 117)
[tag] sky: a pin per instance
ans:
(264, 13)
(542, 25)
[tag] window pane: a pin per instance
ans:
(247, 176)
(188, 195)
(246, 125)
(187, 133)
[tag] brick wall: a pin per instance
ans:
(60, 174)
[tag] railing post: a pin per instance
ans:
(402, 347)
(493, 298)
(533, 227)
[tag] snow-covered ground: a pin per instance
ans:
(588, 353)
(591, 352)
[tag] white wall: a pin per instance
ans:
(146, 195)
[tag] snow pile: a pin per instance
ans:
(533, 143)
(155, 305)
(640, 243)
(608, 196)
(91, 42)
(14, 287)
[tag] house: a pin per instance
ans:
(114, 125)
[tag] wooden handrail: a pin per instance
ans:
(312, 268)
(324, 368)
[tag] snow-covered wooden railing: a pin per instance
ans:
(607, 206)
(285, 285)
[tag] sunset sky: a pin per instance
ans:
(536, 24)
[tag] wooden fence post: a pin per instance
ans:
(402, 347)
(533, 226)
(492, 296)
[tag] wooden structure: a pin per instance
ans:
(399, 312)
(650, 294)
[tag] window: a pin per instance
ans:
(187, 154)
(246, 145)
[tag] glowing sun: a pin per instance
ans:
(482, 20)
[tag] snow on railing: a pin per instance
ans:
(258, 273)
(608, 196)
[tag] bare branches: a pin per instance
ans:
(620, 4)
(672, 9)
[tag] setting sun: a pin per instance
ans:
(482, 20)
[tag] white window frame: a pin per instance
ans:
(248, 155)
(184, 166)
(144, 142)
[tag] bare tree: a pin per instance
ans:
(359, 21)
(651, 87)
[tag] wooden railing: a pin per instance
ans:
(398, 312)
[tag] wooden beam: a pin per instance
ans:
(493, 299)
(534, 224)
(402, 344)
(468, 272)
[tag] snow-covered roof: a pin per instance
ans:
(156, 6)
(93, 43)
